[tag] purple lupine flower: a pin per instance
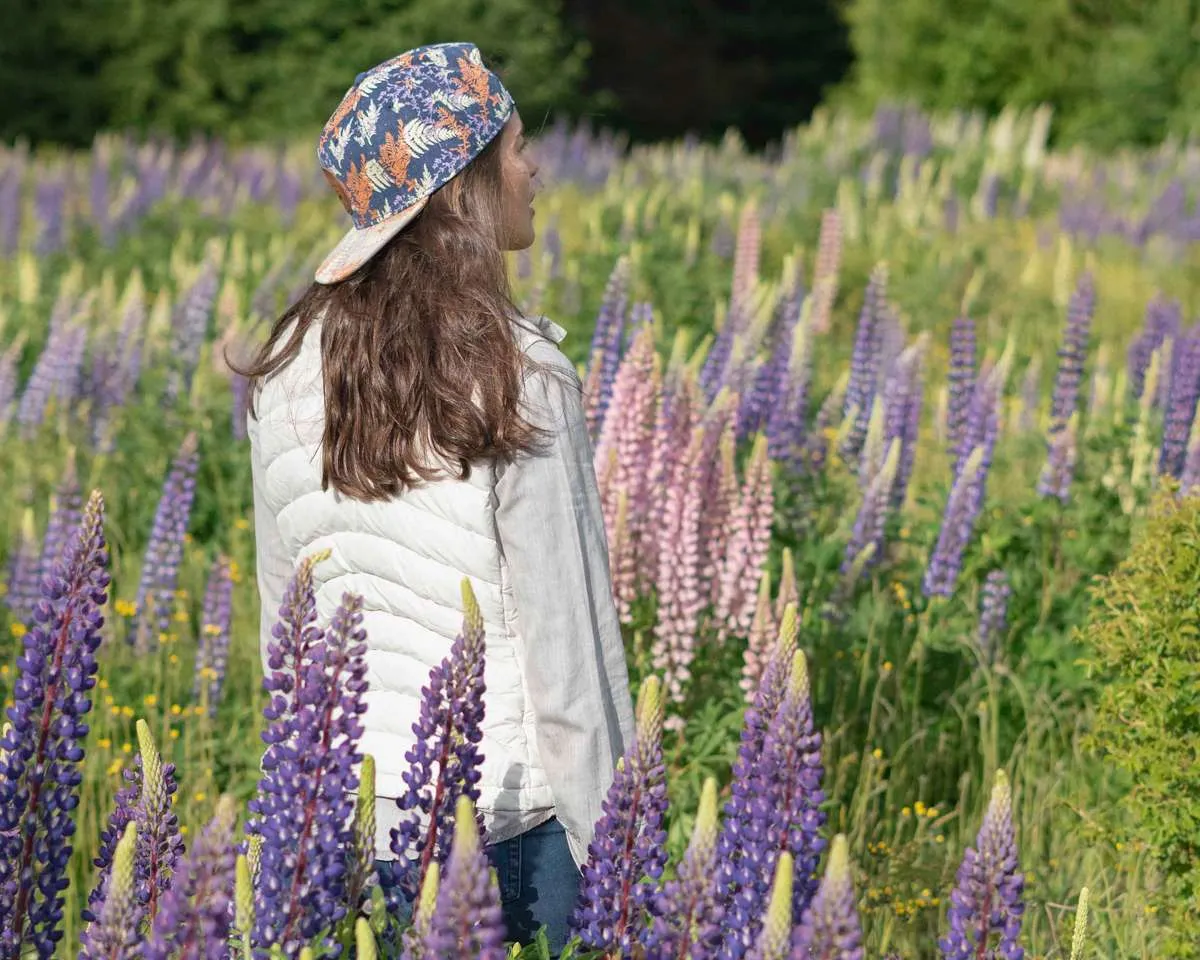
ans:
(41, 753)
(962, 378)
(445, 759)
(987, 897)
(189, 327)
(1181, 403)
(627, 855)
(164, 550)
(160, 841)
(869, 524)
(958, 523)
(1162, 320)
(65, 514)
(1059, 469)
(467, 919)
(982, 426)
(687, 914)
(902, 399)
(9, 379)
(49, 204)
(123, 812)
(865, 361)
(56, 371)
(993, 613)
(830, 929)
(604, 355)
(212, 649)
(10, 208)
(122, 368)
(194, 920)
(304, 806)
(775, 809)
(786, 420)
(115, 932)
(98, 195)
(24, 582)
(1073, 353)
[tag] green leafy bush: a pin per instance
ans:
(1144, 634)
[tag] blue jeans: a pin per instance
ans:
(539, 883)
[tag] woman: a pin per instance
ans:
(405, 415)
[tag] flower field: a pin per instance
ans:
(871, 414)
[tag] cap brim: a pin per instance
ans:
(359, 246)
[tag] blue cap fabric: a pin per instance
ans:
(405, 128)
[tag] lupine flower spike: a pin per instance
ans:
(687, 921)
(829, 929)
(114, 934)
(160, 842)
(444, 761)
(627, 856)
(987, 898)
(467, 920)
(773, 939)
(43, 750)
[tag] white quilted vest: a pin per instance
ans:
(406, 558)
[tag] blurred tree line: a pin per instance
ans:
(1116, 71)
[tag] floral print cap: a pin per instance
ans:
(403, 130)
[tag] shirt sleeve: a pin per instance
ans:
(551, 531)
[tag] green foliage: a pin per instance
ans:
(1116, 71)
(262, 69)
(1144, 633)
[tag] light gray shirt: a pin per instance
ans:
(551, 531)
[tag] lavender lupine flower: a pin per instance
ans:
(628, 854)
(164, 550)
(194, 920)
(775, 808)
(115, 933)
(212, 649)
(24, 584)
(687, 914)
(902, 399)
(958, 523)
(467, 920)
(49, 202)
(864, 362)
(987, 897)
(122, 368)
(604, 354)
(124, 812)
(1162, 320)
(767, 390)
(962, 378)
(444, 761)
(189, 328)
(993, 613)
(830, 929)
(42, 751)
(786, 420)
(9, 381)
(56, 371)
(1056, 477)
(304, 806)
(65, 513)
(1190, 476)
(1181, 403)
(98, 195)
(869, 524)
(982, 426)
(160, 841)
(10, 208)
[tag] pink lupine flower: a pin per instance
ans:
(718, 419)
(746, 549)
(761, 640)
(680, 597)
(623, 556)
(720, 512)
(829, 259)
(745, 264)
(678, 416)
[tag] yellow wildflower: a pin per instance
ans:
(150, 699)
(174, 734)
(176, 709)
(104, 743)
(17, 630)
(127, 747)
(877, 753)
(241, 523)
(125, 608)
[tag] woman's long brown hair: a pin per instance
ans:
(408, 340)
